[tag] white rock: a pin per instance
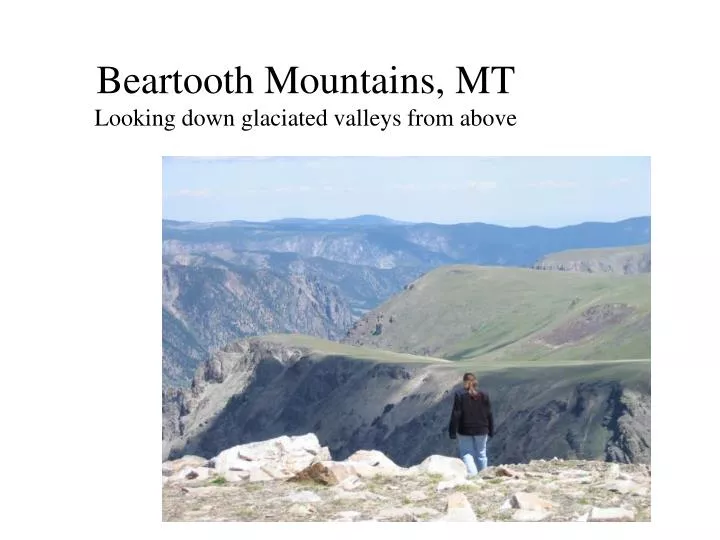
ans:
(458, 509)
(611, 514)
(529, 501)
(374, 458)
(612, 472)
(172, 467)
(259, 475)
(449, 468)
(287, 454)
(236, 476)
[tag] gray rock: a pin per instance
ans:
(449, 468)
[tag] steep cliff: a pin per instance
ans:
(355, 398)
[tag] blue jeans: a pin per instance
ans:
(473, 452)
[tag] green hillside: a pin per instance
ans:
(492, 313)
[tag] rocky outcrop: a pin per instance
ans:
(369, 486)
(621, 260)
(208, 303)
(259, 389)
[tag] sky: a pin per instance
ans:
(511, 191)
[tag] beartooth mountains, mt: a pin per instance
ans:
(227, 281)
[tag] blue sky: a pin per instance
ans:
(513, 191)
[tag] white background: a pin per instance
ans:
(81, 210)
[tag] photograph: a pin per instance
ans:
(406, 338)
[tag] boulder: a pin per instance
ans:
(237, 476)
(458, 509)
(416, 496)
(375, 458)
(611, 514)
(449, 468)
(612, 472)
(529, 501)
(370, 463)
(169, 468)
(322, 455)
(278, 458)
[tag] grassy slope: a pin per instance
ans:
(324, 348)
(470, 312)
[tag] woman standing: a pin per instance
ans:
(471, 423)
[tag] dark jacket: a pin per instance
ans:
(471, 415)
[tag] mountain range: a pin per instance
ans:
(231, 280)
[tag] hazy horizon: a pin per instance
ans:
(345, 218)
(507, 191)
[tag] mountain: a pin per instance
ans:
(228, 280)
(383, 245)
(357, 398)
(209, 301)
(367, 220)
(493, 313)
(618, 260)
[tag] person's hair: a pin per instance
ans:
(470, 384)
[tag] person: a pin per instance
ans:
(471, 422)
